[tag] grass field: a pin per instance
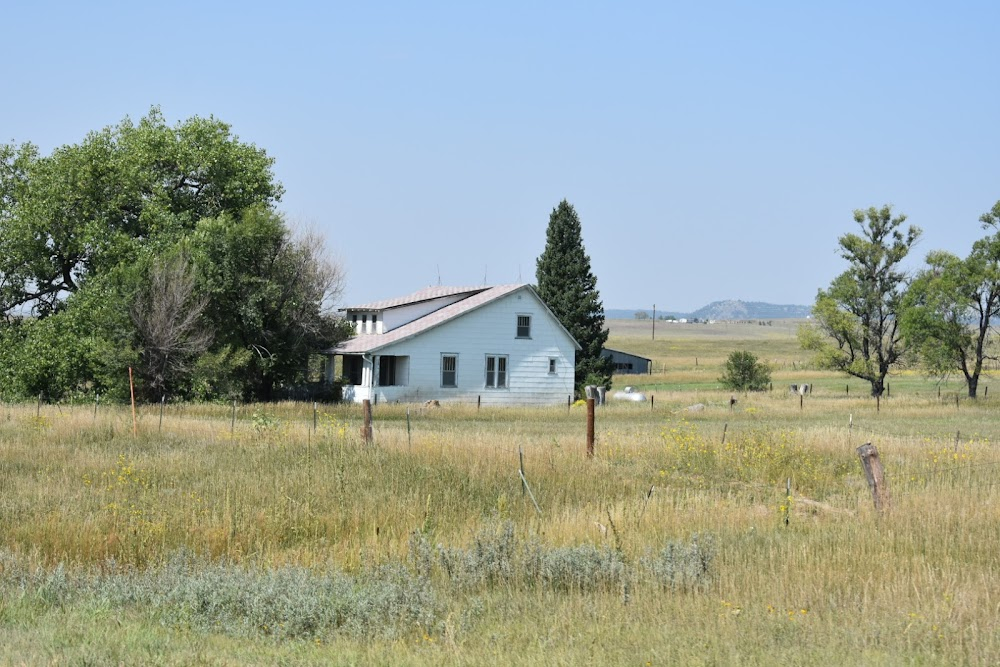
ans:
(204, 540)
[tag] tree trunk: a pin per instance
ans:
(878, 386)
(266, 388)
(973, 383)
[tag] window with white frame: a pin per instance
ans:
(496, 371)
(524, 326)
(449, 370)
(552, 365)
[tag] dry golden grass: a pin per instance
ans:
(839, 584)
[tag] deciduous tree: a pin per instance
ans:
(951, 305)
(170, 331)
(90, 206)
(89, 241)
(856, 320)
(270, 291)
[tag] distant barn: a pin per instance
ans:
(628, 364)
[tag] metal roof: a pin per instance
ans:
(481, 296)
(627, 354)
(425, 294)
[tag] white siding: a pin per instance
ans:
(491, 330)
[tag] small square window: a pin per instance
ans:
(524, 326)
(552, 366)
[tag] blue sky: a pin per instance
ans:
(712, 150)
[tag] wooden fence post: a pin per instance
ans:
(131, 388)
(875, 475)
(366, 427)
(788, 500)
(590, 428)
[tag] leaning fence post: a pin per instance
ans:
(531, 495)
(649, 495)
(875, 475)
(524, 483)
(409, 440)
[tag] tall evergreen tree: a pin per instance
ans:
(569, 288)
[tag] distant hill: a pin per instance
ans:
(722, 310)
(749, 310)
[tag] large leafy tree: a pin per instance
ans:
(270, 291)
(157, 247)
(951, 305)
(569, 288)
(856, 326)
(90, 206)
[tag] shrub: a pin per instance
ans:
(744, 372)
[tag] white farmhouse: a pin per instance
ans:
(495, 345)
